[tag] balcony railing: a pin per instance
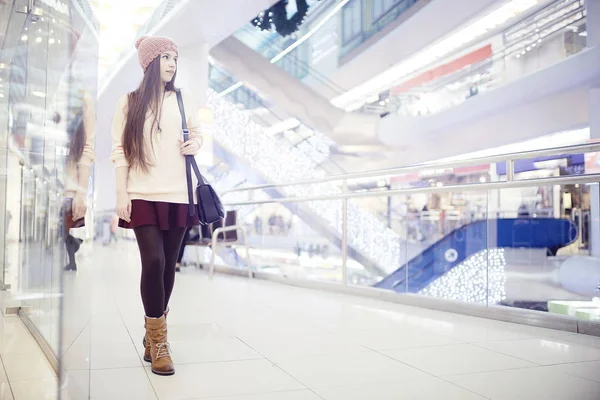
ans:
(373, 19)
(493, 259)
(529, 46)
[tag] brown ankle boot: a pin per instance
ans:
(146, 343)
(156, 329)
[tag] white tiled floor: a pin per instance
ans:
(236, 339)
(25, 373)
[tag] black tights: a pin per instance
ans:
(158, 251)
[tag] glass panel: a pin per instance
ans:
(381, 7)
(351, 20)
(544, 236)
(378, 241)
(288, 239)
(442, 250)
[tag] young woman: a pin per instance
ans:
(148, 153)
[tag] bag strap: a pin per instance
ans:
(190, 161)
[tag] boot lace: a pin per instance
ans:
(163, 350)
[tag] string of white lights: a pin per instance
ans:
(479, 279)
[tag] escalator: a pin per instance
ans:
(294, 97)
(247, 147)
(470, 239)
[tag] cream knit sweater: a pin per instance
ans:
(165, 181)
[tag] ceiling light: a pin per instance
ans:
(24, 38)
(1, 95)
(231, 88)
(51, 40)
(38, 40)
(286, 125)
(38, 93)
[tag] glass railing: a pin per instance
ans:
(540, 41)
(379, 15)
(524, 239)
(365, 19)
(270, 44)
(296, 62)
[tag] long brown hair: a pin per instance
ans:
(76, 134)
(146, 97)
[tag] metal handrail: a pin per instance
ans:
(577, 179)
(509, 158)
(215, 243)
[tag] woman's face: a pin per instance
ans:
(168, 66)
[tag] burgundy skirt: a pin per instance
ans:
(164, 215)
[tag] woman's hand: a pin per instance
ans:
(124, 206)
(79, 206)
(191, 147)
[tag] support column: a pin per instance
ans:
(593, 39)
(193, 73)
(193, 78)
(595, 188)
(593, 22)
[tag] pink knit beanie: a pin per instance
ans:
(150, 47)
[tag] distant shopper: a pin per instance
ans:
(523, 211)
(152, 199)
(114, 224)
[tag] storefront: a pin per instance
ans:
(48, 65)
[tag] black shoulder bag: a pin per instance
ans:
(209, 206)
